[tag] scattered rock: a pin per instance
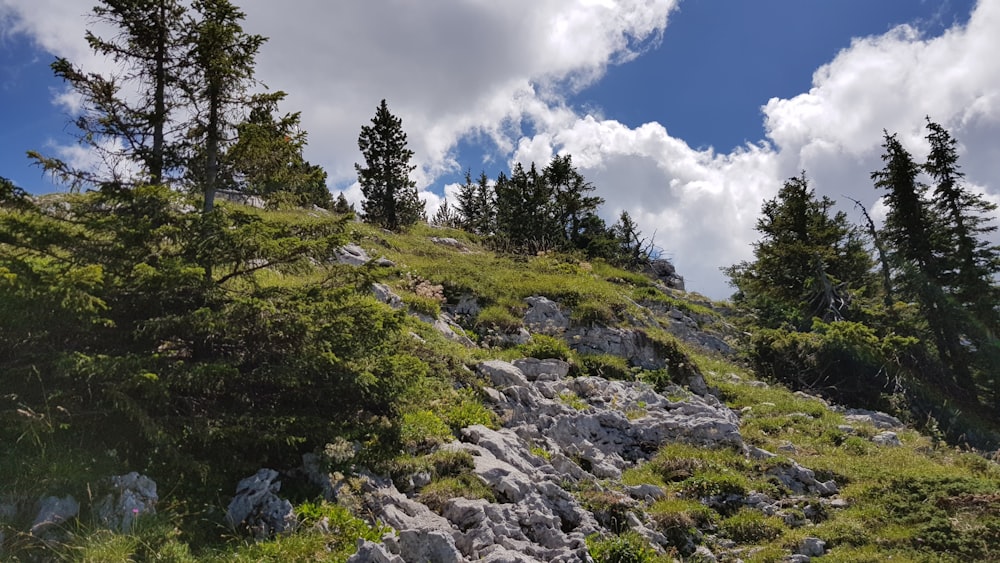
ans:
(545, 317)
(446, 326)
(812, 547)
(879, 420)
(542, 370)
(53, 511)
(887, 438)
(448, 241)
(385, 294)
(131, 496)
(257, 509)
(370, 552)
(352, 255)
(665, 272)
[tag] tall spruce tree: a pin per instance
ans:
(391, 199)
(220, 74)
(809, 261)
(128, 130)
(267, 160)
(916, 239)
(970, 263)
(572, 207)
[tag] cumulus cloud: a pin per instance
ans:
(703, 206)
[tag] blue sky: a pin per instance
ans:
(718, 101)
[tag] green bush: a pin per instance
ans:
(750, 526)
(421, 431)
(606, 366)
(628, 547)
(543, 347)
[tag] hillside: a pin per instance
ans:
(420, 397)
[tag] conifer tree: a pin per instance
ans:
(915, 238)
(267, 160)
(391, 199)
(571, 206)
(970, 263)
(808, 263)
(220, 74)
(124, 130)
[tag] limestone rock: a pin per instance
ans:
(448, 241)
(447, 327)
(53, 511)
(371, 552)
(131, 496)
(544, 316)
(257, 508)
(879, 420)
(545, 370)
(352, 254)
(887, 438)
(812, 547)
(385, 294)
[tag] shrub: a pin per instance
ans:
(497, 317)
(607, 366)
(751, 526)
(466, 485)
(628, 547)
(422, 431)
(543, 347)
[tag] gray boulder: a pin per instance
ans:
(257, 509)
(887, 439)
(544, 316)
(352, 254)
(386, 295)
(131, 496)
(53, 511)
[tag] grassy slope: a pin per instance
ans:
(921, 501)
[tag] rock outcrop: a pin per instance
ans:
(130, 497)
(257, 509)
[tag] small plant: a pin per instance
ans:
(609, 508)
(573, 400)
(607, 366)
(628, 547)
(497, 317)
(542, 453)
(469, 411)
(751, 526)
(543, 347)
(422, 431)
(437, 494)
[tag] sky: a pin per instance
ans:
(688, 114)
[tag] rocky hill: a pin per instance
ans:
(572, 411)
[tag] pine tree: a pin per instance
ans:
(570, 203)
(220, 74)
(150, 53)
(970, 262)
(808, 263)
(391, 199)
(525, 219)
(916, 238)
(267, 160)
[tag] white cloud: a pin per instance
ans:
(458, 68)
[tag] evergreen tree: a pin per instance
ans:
(631, 249)
(808, 263)
(220, 74)
(970, 263)
(150, 53)
(447, 216)
(342, 206)
(526, 220)
(915, 238)
(267, 157)
(571, 206)
(475, 204)
(390, 196)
